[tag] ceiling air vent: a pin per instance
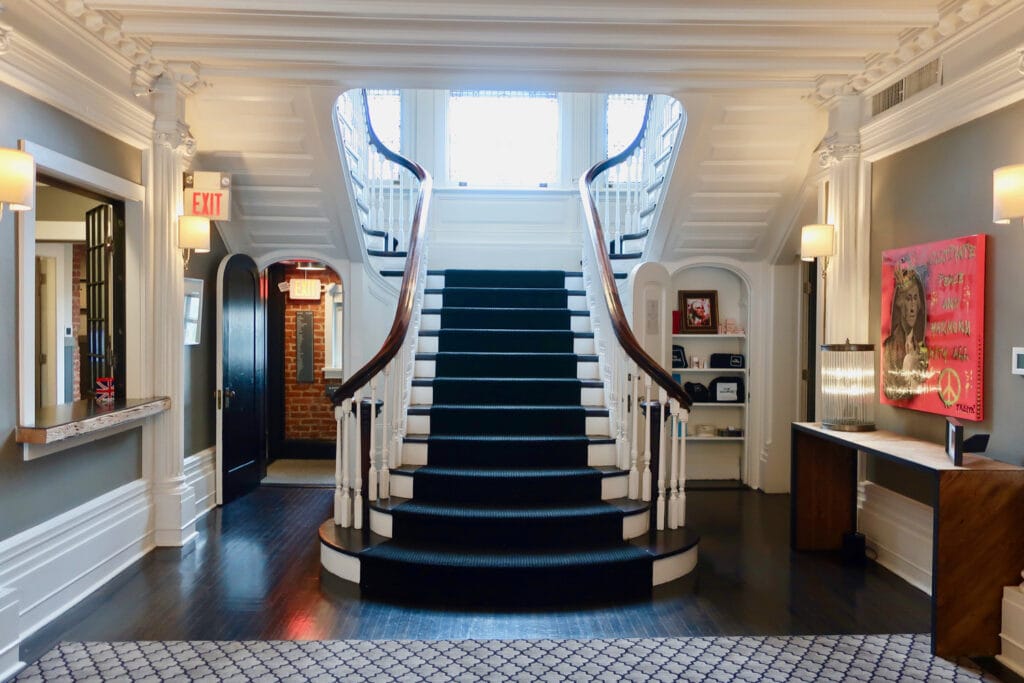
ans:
(905, 88)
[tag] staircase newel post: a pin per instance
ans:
(357, 503)
(385, 456)
(684, 415)
(371, 494)
(646, 483)
(634, 405)
(673, 503)
(662, 465)
(342, 499)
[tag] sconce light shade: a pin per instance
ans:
(17, 179)
(848, 387)
(816, 241)
(1007, 193)
(194, 233)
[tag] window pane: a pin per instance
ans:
(624, 115)
(503, 138)
(386, 116)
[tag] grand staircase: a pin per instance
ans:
(508, 490)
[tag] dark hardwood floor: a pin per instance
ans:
(254, 573)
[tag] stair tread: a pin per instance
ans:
(431, 355)
(510, 473)
(603, 470)
(448, 556)
(535, 438)
(505, 330)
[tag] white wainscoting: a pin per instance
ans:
(201, 475)
(899, 530)
(54, 565)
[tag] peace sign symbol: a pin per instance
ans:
(949, 386)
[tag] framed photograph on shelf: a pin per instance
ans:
(699, 310)
(955, 441)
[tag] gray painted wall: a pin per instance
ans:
(937, 190)
(32, 492)
(201, 361)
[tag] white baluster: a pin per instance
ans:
(673, 503)
(373, 471)
(645, 494)
(634, 405)
(385, 438)
(684, 416)
(357, 503)
(660, 507)
(342, 499)
(622, 378)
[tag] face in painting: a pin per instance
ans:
(911, 306)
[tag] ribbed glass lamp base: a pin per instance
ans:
(848, 387)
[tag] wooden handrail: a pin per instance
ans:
(410, 279)
(623, 332)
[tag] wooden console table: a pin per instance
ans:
(977, 542)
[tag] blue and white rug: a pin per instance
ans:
(793, 658)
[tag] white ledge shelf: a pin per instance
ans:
(709, 336)
(74, 423)
(714, 438)
(706, 370)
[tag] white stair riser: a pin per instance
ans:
(595, 426)
(428, 344)
(636, 524)
(598, 455)
(427, 369)
(381, 523)
(574, 282)
(612, 487)
(401, 485)
(435, 281)
(674, 566)
(590, 396)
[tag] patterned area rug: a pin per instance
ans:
(794, 658)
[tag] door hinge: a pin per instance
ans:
(803, 374)
(807, 288)
(217, 395)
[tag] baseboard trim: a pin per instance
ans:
(56, 564)
(201, 475)
(899, 531)
(9, 638)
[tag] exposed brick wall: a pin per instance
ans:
(77, 276)
(308, 412)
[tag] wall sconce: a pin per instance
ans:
(193, 236)
(17, 180)
(818, 241)
(310, 265)
(1007, 193)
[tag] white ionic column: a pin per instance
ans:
(173, 148)
(850, 268)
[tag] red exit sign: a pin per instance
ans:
(208, 194)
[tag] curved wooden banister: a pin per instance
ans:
(617, 314)
(410, 279)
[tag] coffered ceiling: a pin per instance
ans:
(753, 73)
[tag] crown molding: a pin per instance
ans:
(995, 85)
(30, 68)
(958, 21)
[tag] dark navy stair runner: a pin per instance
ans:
(507, 509)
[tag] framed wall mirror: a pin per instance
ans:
(193, 310)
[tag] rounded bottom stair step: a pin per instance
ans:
(492, 576)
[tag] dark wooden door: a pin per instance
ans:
(243, 438)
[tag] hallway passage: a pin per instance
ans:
(255, 574)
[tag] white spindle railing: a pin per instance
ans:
(629, 194)
(384, 192)
(650, 434)
(370, 406)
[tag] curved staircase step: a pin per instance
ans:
(505, 297)
(516, 486)
(504, 278)
(512, 390)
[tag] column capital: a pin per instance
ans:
(169, 128)
(833, 150)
